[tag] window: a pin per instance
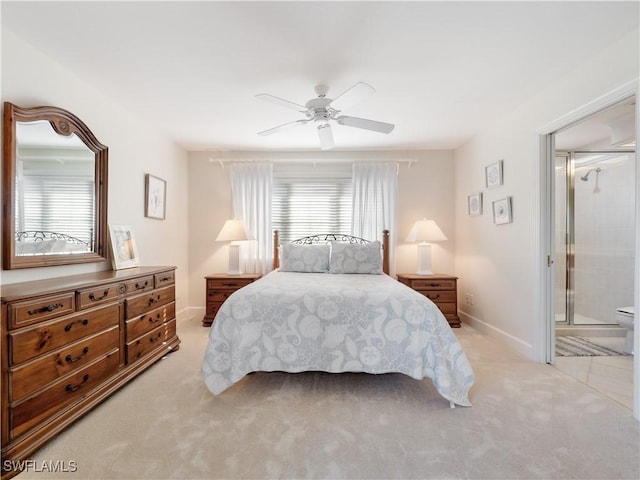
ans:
(309, 200)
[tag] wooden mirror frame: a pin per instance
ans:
(63, 123)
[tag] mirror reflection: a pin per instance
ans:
(54, 192)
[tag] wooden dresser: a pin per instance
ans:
(70, 342)
(219, 287)
(440, 289)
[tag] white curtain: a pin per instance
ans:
(375, 203)
(251, 185)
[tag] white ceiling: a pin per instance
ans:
(442, 70)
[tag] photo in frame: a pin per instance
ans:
(493, 174)
(155, 191)
(124, 253)
(474, 204)
(502, 211)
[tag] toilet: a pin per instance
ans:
(625, 318)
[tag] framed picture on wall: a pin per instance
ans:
(502, 211)
(155, 190)
(124, 253)
(493, 174)
(474, 204)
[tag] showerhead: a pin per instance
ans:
(585, 177)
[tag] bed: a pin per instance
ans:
(330, 307)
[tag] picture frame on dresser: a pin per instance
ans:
(124, 253)
(155, 192)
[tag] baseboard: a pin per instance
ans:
(514, 343)
(190, 313)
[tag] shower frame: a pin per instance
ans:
(569, 243)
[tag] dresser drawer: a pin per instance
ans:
(151, 341)
(91, 297)
(433, 284)
(32, 376)
(140, 304)
(212, 308)
(165, 278)
(150, 320)
(438, 297)
(139, 285)
(62, 393)
(40, 309)
(31, 342)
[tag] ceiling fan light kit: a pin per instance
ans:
(322, 110)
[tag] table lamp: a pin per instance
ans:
(423, 232)
(232, 231)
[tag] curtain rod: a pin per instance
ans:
(315, 162)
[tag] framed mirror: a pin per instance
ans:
(54, 189)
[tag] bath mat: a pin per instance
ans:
(581, 347)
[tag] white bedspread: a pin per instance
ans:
(296, 322)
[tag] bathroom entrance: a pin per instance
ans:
(593, 233)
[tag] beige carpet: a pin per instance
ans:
(528, 421)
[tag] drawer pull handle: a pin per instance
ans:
(155, 320)
(433, 297)
(154, 300)
(70, 359)
(93, 298)
(229, 284)
(156, 338)
(143, 286)
(47, 308)
(165, 279)
(434, 285)
(71, 388)
(69, 326)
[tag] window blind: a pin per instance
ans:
(61, 205)
(308, 201)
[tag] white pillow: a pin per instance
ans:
(356, 258)
(305, 258)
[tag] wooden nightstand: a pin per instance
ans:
(219, 287)
(440, 289)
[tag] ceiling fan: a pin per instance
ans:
(321, 110)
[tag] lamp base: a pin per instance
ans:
(424, 259)
(234, 260)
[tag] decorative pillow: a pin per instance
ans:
(356, 258)
(305, 258)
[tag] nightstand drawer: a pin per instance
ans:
(433, 284)
(447, 308)
(227, 284)
(440, 296)
(218, 295)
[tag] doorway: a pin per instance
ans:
(592, 200)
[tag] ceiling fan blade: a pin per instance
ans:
(352, 95)
(326, 137)
(282, 102)
(366, 124)
(282, 127)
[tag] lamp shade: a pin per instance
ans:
(232, 230)
(426, 231)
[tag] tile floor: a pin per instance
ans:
(611, 376)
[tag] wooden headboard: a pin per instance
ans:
(327, 237)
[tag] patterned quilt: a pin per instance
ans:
(295, 322)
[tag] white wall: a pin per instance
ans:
(499, 264)
(425, 190)
(30, 79)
